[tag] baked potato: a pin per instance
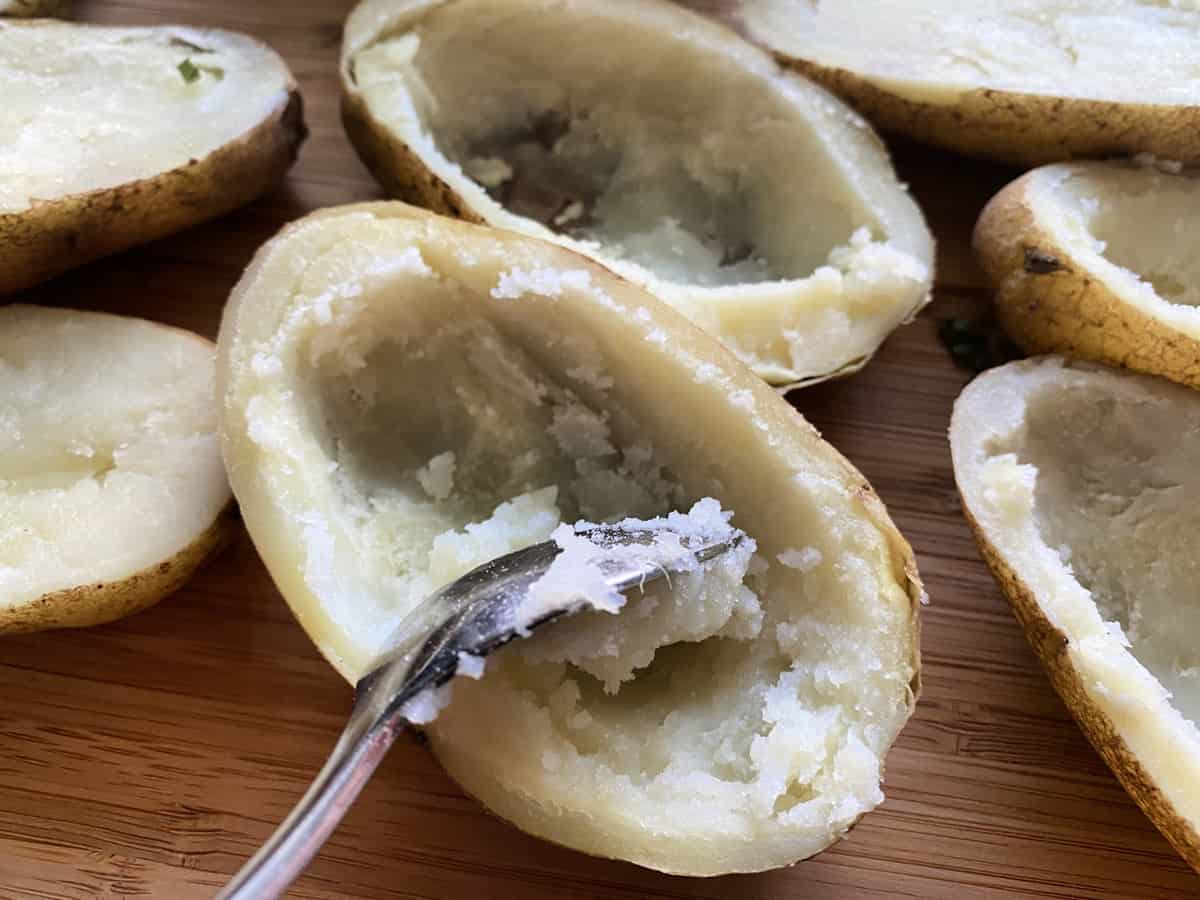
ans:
(118, 136)
(1016, 81)
(1097, 260)
(34, 8)
(406, 396)
(1080, 485)
(113, 487)
(657, 143)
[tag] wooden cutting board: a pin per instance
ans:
(151, 757)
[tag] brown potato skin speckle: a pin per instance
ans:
(1050, 645)
(1019, 129)
(1061, 308)
(56, 235)
(97, 604)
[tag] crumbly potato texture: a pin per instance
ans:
(662, 146)
(406, 396)
(1080, 488)
(111, 486)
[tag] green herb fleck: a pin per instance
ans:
(975, 345)
(188, 70)
(191, 72)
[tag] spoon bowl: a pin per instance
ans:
(475, 615)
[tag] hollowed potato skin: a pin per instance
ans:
(53, 236)
(1019, 129)
(401, 172)
(255, 310)
(1047, 303)
(1050, 645)
(405, 174)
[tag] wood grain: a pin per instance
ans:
(149, 758)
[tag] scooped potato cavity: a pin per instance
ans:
(1080, 485)
(657, 143)
(407, 397)
(1095, 260)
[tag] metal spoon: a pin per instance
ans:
(475, 615)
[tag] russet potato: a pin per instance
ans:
(1097, 260)
(1015, 81)
(1081, 486)
(34, 8)
(659, 144)
(113, 491)
(119, 136)
(406, 396)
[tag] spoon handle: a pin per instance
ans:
(365, 741)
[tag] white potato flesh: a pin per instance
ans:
(1130, 227)
(87, 108)
(109, 461)
(667, 148)
(407, 396)
(931, 51)
(1084, 480)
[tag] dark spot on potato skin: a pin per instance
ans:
(1038, 262)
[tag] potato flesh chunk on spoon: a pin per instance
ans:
(478, 613)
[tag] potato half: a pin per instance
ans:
(1080, 484)
(1098, 260)
(32, 8)
(112, 490)
(406, 396)
(1017, 81)
(661, 145)
(117, 136)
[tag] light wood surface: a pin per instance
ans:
(151, 757)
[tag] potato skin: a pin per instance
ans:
(97, 604)
(56, 235)
(256, 307)
(34, 8)
(1047, 303)
(390, 161)
(1050, 645)
(1019, 129)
